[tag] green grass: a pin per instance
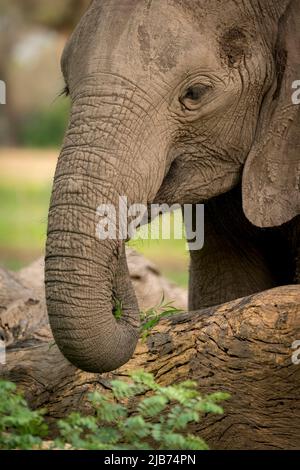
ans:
(151, 317)
(23, 224)
(12, 263)
(23, 215)
(176, 275)
(170, 255)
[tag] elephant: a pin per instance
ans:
(175, 101)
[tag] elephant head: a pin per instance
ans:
(172, 102)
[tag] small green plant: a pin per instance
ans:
(118, 309)
(158, 420)
(20, 428)
(150, 318)
(138, 414)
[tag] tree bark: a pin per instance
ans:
(243, 347)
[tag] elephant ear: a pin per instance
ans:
(271, 178)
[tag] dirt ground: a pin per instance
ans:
(27, 164)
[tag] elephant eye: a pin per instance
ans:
(193, 95)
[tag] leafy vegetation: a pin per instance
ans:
(152, 316)
(118, 310)
(20, 428)
(46, 127)
(149, 318)
(138, 414)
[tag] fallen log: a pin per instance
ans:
(243, 347)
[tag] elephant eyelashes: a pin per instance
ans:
(65, 91)
(193, 95)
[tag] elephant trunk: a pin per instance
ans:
(91, 303)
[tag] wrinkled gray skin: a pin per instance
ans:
(174, 102)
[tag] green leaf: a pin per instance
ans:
(135, 427)
(159, 420)
(152, 406)
(118, 309)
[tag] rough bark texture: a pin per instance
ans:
(243, 347)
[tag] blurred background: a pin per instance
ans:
(32, 124)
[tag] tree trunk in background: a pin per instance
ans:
(243, 347)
